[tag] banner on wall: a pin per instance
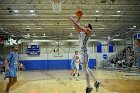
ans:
(10, 42)
(137, 36)
(33, 50)
(99, 47)
(105, 56)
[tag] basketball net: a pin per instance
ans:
(56, 5)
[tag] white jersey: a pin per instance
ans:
(83, 41)
(83, 47)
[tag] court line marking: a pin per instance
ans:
(56, 82)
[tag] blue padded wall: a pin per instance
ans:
(34, 64)
(52, 64)
(92, 63)
(58, 64)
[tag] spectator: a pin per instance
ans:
(137, 53)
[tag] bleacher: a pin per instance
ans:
(122, 60)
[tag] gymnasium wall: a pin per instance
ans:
(48, 58)
(51, 61)
(66, 47)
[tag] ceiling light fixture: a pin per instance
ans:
(117, 35)
(118, 11)
(97, 11)
(71, 28)
(28, 35)
(42, 40)
(116, 15)
(70, 34)
(39, 28)
(97, 15)
(16, 11)
(32, 11)
(108, 37)
(93, 35)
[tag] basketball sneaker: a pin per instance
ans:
(97, 84)
(89, 90)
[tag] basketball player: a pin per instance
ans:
(73, 67)
(11, 63)
(77, 63)
(85, 33)
(137, 53)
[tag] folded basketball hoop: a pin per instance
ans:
(56, 5)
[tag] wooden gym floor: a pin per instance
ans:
(113, 81)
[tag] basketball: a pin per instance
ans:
(79, 13)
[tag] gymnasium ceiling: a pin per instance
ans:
(109, 18)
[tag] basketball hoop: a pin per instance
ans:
(56, 5)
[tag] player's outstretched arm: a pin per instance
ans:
(77, 27)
